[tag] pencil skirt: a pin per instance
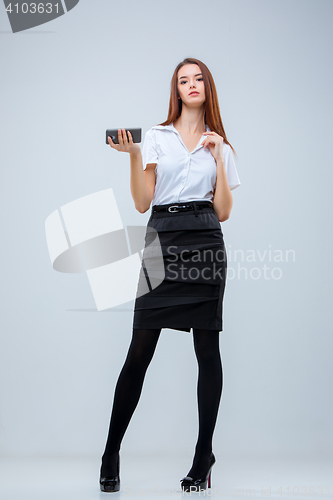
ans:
(183, 271)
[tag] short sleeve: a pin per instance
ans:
(230, 167)
(149, 152)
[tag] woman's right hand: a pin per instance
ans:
(125, 144)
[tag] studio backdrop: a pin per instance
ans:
(65, 195)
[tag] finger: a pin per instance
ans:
(120, 137)
(124, 136)
(112, 144)
(130, 138)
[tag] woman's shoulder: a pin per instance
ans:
(158, 133)
(160, 127)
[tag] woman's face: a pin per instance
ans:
(190, 84)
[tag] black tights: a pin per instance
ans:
(129, 387)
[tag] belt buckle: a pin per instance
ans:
(173, 206)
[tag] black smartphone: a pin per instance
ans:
(113, 133)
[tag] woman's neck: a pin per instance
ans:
(191, 121)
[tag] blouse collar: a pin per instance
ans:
(172, 128)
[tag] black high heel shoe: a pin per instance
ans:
(190, 484)
(110, 484)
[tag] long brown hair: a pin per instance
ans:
(212, 110)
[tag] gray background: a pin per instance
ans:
(109, 64)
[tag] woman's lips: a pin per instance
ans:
(194, 93)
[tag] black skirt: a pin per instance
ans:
(183, 273)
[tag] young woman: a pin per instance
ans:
(186, 171)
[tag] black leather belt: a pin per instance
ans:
(181, 208)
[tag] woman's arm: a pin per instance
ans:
(142, 182)
(222, 201)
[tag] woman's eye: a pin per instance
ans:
(183, 81)
(200, 79)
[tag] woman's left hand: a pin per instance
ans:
(215, 144)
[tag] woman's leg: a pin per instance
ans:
(127, 393)
(209, 390)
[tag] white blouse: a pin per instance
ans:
(181, 175)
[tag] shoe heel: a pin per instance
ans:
(209, 479)
(191, 484)
(111, 484)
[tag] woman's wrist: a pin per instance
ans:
(136, 153)
(220, 162)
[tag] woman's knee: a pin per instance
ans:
(206, 345)
(141, 350)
